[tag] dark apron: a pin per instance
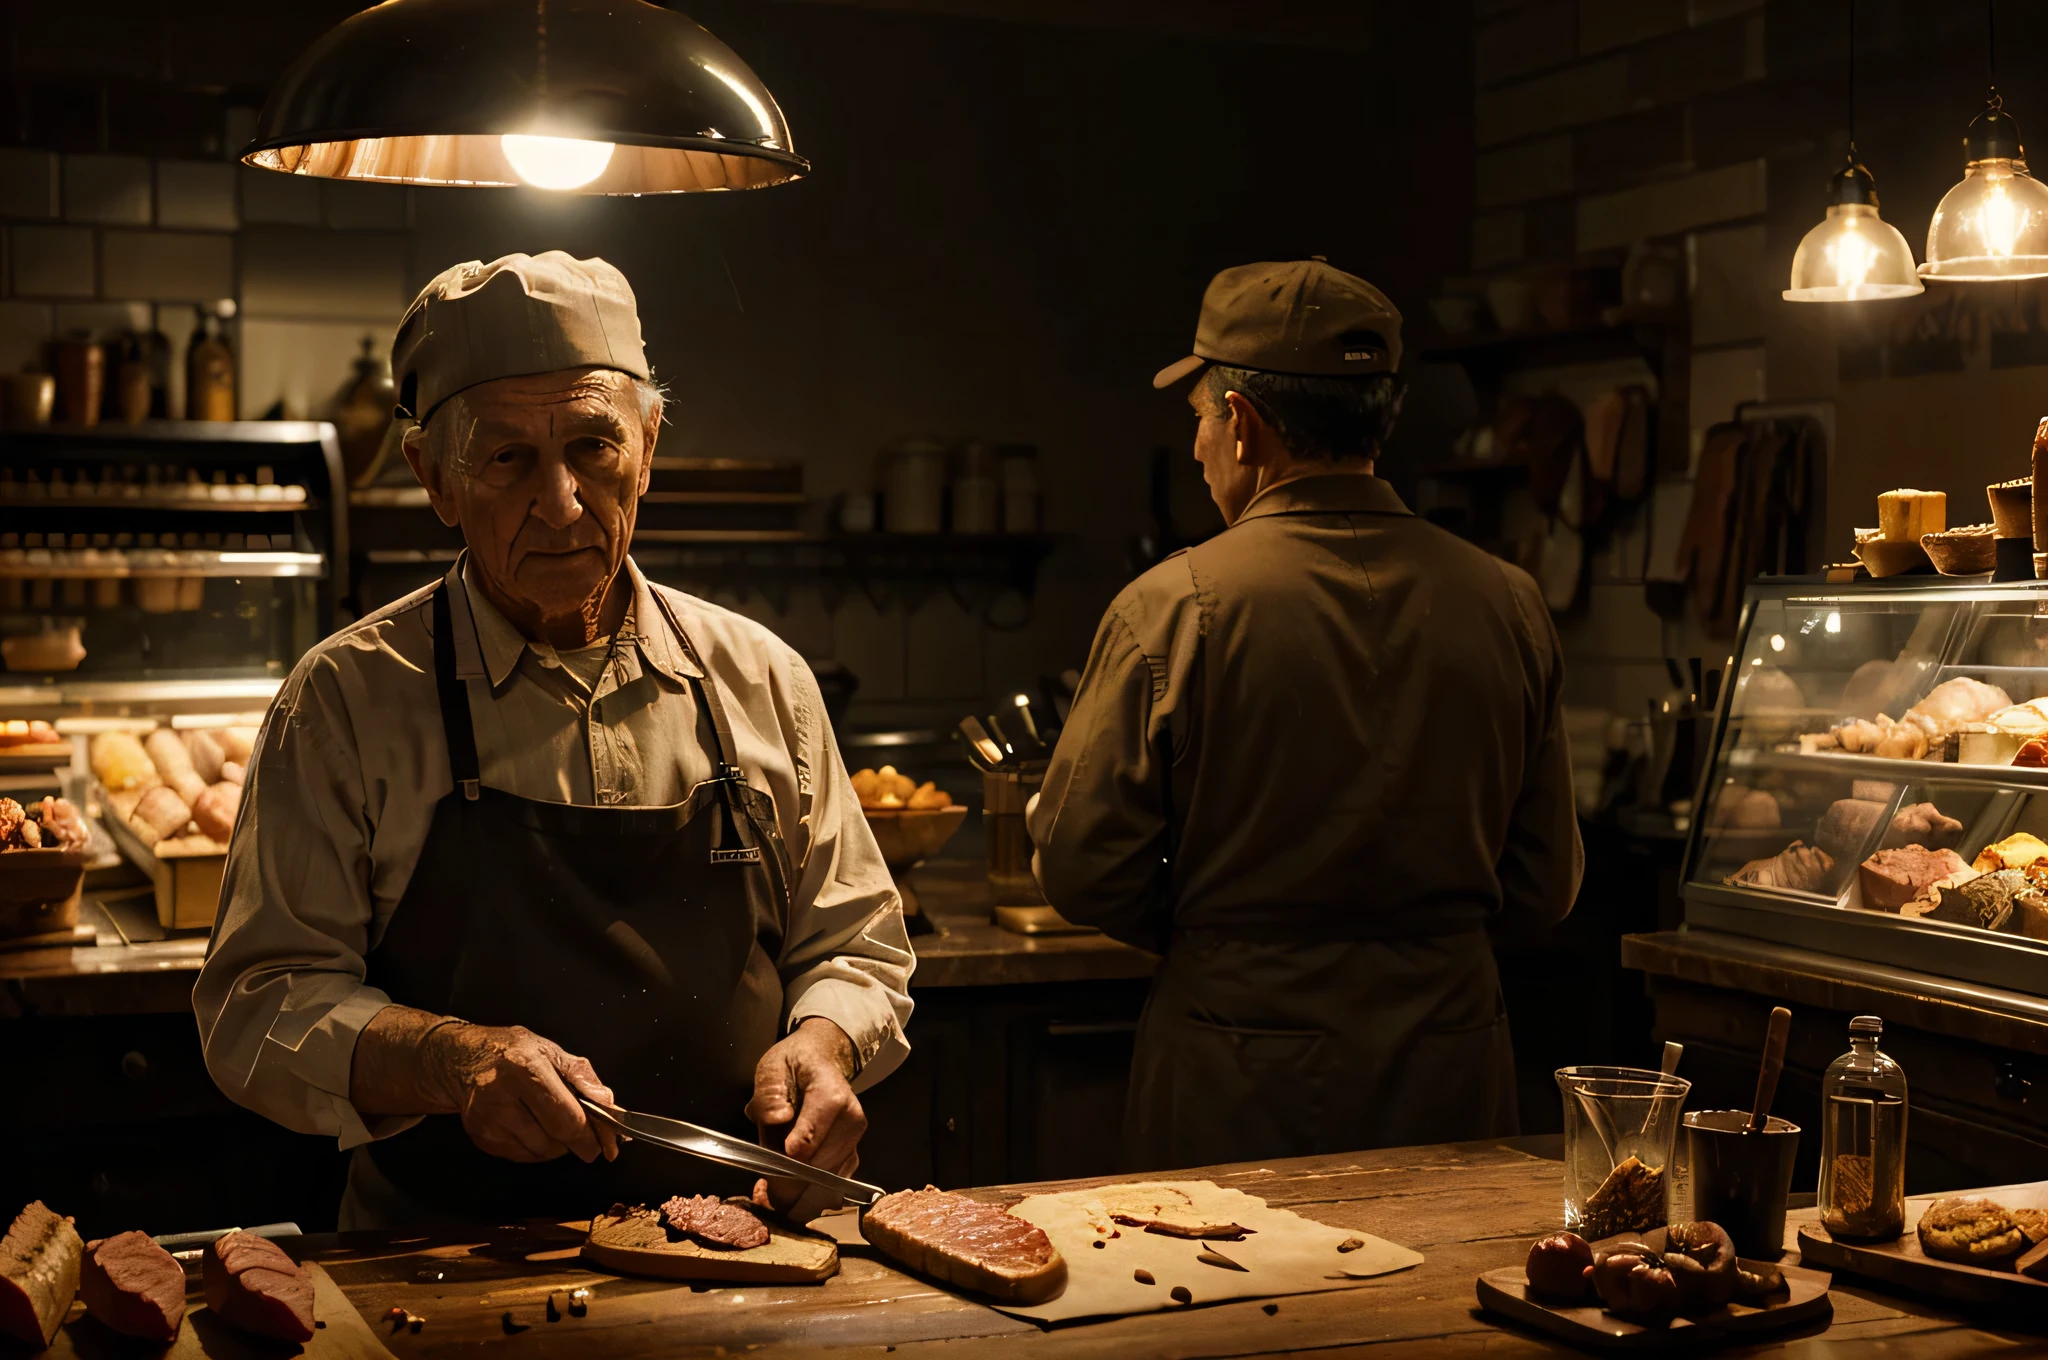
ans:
(642, 938)
(1253, 1047)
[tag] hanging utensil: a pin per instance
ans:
(982, 749)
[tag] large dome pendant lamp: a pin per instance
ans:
(594, 96)
(1854, 255)
(1992, 227)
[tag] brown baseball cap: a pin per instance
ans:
(1302, 316)
(519, 314)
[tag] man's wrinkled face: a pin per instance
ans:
(1231, 483)
(544, 475)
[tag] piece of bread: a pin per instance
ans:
(133, 1286)
(207, 755)
(38, 1275)
(1904, 515)
(159, 814)
(119, 762)
(2032, 1222)
(1971, 550)
(253, 1285)
(1970, 1229)
(929, 797)
(1893, 878)
(174, 764)
(967, 1243)
(237, 743)
(215, 809)
(2016, 851)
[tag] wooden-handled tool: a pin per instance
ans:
(1773, 1068)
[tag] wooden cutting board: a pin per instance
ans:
(345, 1335)
(1903, 1264)
(1506, 1291)
(637, 1243)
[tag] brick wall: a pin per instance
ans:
(109, 243)
(1598, 124)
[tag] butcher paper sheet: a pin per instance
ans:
(1283, 1254)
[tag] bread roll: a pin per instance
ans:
(234, 772)
(120, 763)
(174, 764)
(215, 809)
(237, 743)
(161, 813)
(207, 755)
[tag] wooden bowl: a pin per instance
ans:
(2012, 507)
(1969, 551)
(39, 891)
(908, 835)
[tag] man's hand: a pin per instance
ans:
(805, 1082)
(515, 1091)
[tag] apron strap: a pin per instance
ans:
(707, 693)
(454, 692)
(730, 847)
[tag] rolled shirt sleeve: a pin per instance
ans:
(847, 958)
(281, 1000)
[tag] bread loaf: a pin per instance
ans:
(120, 763)
(215, 809)
(174, 764)
(161, 813)
(1903, 516)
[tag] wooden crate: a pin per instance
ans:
(186, 872)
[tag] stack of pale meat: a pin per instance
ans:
(134, 1287)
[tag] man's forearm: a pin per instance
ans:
(390, 1074)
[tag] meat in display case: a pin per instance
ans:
(1877, 787)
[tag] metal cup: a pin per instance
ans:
(1740, 1179)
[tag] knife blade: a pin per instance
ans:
(696, 1141)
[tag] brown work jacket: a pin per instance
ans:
(1312, 761)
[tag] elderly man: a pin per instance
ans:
(545, 831)
(1312, 761)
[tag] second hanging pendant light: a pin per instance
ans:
(1854, 255)
(1993, 226)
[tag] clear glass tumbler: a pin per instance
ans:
(1619, 1127)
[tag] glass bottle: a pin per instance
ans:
(1863, 1140)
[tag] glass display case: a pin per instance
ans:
(164, 566)
(1875, 787)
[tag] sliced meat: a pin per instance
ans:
(715, 1223)
(38, 1275)
(1893, 878)
(133, 1286)
(967, 1243)
(252, 1284)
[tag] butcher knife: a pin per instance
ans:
(726, 1150)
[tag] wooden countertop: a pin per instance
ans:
(1467, 1207)
(1963, 1010)
(967, 951)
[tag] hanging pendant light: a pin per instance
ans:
(595, 96)
(1992, 227)
(1854, 255)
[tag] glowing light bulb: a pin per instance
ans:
(1777, 642)
(1999, 218)
(1834, 623)
(1851, 255)
(556, 162)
